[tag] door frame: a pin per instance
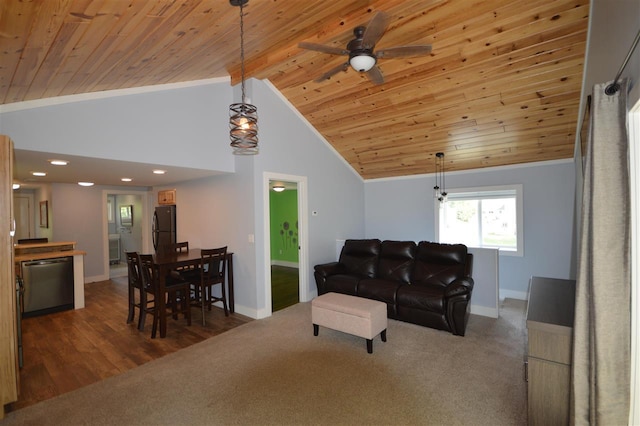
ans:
(145, 222)
(30, 219)
(303, 235)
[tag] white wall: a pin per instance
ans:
(188, 127)
(347, 207)
(613, 26)
(290, 145)
(77, 214)
(177, 127)
(485, 299)
(226, 209)
(403, 209)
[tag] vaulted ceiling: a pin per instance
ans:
(501, 85)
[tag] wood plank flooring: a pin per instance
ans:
(285, 288)
(71, 349)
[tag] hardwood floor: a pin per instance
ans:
(285, 289)
(71, 349)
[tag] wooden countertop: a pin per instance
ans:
(47, 255)
(39, 251)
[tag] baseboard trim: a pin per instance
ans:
(512, 294)
(284, 263)
(485, 311)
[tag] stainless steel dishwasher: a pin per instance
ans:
(48, 285)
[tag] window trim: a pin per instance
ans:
(483, 192)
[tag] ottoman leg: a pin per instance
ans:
(315, 329)
(369, 346)
(383, 335)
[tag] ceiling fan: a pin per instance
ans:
(360, 50)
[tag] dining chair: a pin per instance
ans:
(179, 247)
(182, 272)
(212, 272)
(176, 293)
(134, 281)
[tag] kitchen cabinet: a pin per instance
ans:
(550, 315)
(9, 369)
(167, 197)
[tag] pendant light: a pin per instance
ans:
(243, 117)
(439, 190)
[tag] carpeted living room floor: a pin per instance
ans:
(274, 371)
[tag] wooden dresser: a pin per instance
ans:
(550, 315)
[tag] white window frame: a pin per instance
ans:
(486, 192)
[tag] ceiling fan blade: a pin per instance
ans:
(332, 71)
(404, 51)
(324, 49)
(375, 75)
(375, 29)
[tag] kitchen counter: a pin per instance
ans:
(41, 251)
(48, 255)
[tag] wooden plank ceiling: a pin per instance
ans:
(501, 85)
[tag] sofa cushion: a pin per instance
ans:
(345, 284)
(378, 289)
(396, 260)
(424, 297)
(438, 264)
(360, 257)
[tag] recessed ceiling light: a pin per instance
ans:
(59, 162)
(126, 179)
(159, 172)
(38, 173)
(85, 183)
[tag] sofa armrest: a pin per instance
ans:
(459, 286)
(321, 272)
(327, 269)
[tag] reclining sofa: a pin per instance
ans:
(428, 284)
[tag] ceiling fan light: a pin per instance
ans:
(362, 62)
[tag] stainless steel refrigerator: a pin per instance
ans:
(164, 227)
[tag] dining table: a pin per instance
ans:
(168, 261)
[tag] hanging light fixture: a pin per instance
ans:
(243, 117)
(439, 190)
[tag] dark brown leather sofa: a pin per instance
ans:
(427, 283)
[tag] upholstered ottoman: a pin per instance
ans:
(350, 314)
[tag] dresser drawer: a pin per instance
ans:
(549, 344)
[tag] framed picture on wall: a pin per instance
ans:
(44, 214)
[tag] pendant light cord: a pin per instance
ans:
(242, 50)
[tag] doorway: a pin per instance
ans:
(283, 213)
(123, 233)
(24, 215)
(285, 240)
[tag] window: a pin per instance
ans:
(489, 217)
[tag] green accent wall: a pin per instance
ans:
(283, 211)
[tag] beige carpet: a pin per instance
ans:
(274, 371)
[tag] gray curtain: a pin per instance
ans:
(601, 341)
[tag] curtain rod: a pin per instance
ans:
(614, 87)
